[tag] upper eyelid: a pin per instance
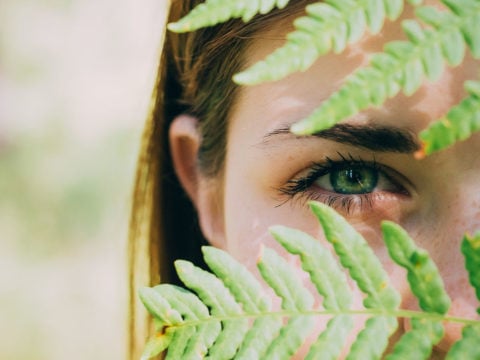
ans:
(351, 161)
(330, 165)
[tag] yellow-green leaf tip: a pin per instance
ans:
(244, 78)
(302, 128)
(324, 212)
(179, 27)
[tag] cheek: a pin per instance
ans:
(246, 226)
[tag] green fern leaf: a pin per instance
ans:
(186, 342)
(459, 124)
(258, 339)
(159, 307)
(375, 15)
(471, 251)
(453, 44)
(414, 31)
(471, 29)
(461, 7)
(237, 279)
(467, 347)
(418, 342)
(408, 61)
(379, 328)
(328, 25)
(291, 337)
(155, 346)
(368, 273)
(426, 285)
(281, 277)
(324, 271)
(214, 294)
(358, 258)
(423, 275)
(213, 12)
(393, 8)
(331, 340)
(249, 293)
(329, 281)
(432, 59)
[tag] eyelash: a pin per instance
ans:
(301, 188)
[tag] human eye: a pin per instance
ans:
(348, 183)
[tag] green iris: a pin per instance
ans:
(354, 180)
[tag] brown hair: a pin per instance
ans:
(194, 77)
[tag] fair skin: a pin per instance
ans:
(436, 199)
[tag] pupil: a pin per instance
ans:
(354, 180)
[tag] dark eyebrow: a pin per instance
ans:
(371, 137)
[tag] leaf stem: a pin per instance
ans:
(400, 313)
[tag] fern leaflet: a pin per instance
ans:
(459, 124)
(213, 12)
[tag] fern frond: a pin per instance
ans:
(332, 339)
(418, 342)
(328, 25)
(467, 347)
(213, 12)
(281, 277)
(367, 271)
(471, 27)
(356, 256)
(401, 66)
(379, 328)
(471, 251)
(249, 293)
(422, 273)
(216, 296)
(426, 285)
(460, 123)
(216, 323)
(319, 263)
(330, 283)
(186, 341)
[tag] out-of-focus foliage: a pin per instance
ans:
(75, 80)
(62, 191)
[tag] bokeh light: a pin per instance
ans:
(75, 84)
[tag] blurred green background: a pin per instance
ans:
(75, 82)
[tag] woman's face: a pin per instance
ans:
(270, 174)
